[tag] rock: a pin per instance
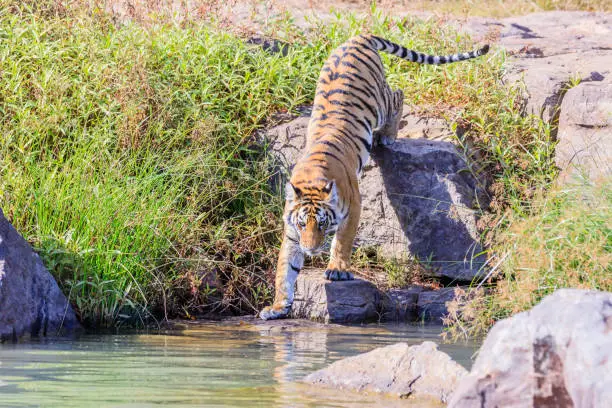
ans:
(360, 301)
(399, 369)
(416, 303)
(554, 33)
(354, 301)
(31, 303)
(414, 126)
(417, 197)
(558, 354)
(431, 305)
(419, 200)
(550, 52)
(401, 304)
(585, 131)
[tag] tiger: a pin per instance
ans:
(354, 108)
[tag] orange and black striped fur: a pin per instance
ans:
(353, 109)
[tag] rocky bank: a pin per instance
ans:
(31, 303)
(359, 301)
(559, 354)
(563, 62)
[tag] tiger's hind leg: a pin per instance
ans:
(388, 133)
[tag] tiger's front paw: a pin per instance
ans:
(338, 275)
(274, 312)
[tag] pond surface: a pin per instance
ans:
(204, 365)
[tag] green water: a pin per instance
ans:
(204, 365)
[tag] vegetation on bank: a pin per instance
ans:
(129, 156)
(565, 241)
(128, 161)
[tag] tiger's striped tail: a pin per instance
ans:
(387, 46)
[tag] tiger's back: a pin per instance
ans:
(354, 108)
(352, 100)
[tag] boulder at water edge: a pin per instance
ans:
(360, 301)
(559, 354)
(31, 303)
(354, 301)
(399, 369)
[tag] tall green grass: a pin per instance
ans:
(128, 155)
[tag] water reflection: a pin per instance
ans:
(204, 365)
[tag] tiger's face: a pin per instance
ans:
(313, 214)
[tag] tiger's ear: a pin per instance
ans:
(331, 191)
(292, 192)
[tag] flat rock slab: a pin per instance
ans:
(399, 369)
(558, 354)
(354, 301)
(31, 303)
(360, 301)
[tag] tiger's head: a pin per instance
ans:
(313, 213)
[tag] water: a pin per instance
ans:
(204, 365)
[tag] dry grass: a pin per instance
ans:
(565, 242)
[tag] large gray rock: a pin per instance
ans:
(559, 354)
(585, 131)
(550, 53)
(399, 369)
(418, 197)
(551, 49)
(360, 301)
(354, 301)
(31, 303)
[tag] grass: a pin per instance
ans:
(565, 242)
(128, 159)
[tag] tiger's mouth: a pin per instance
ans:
(312, 251)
